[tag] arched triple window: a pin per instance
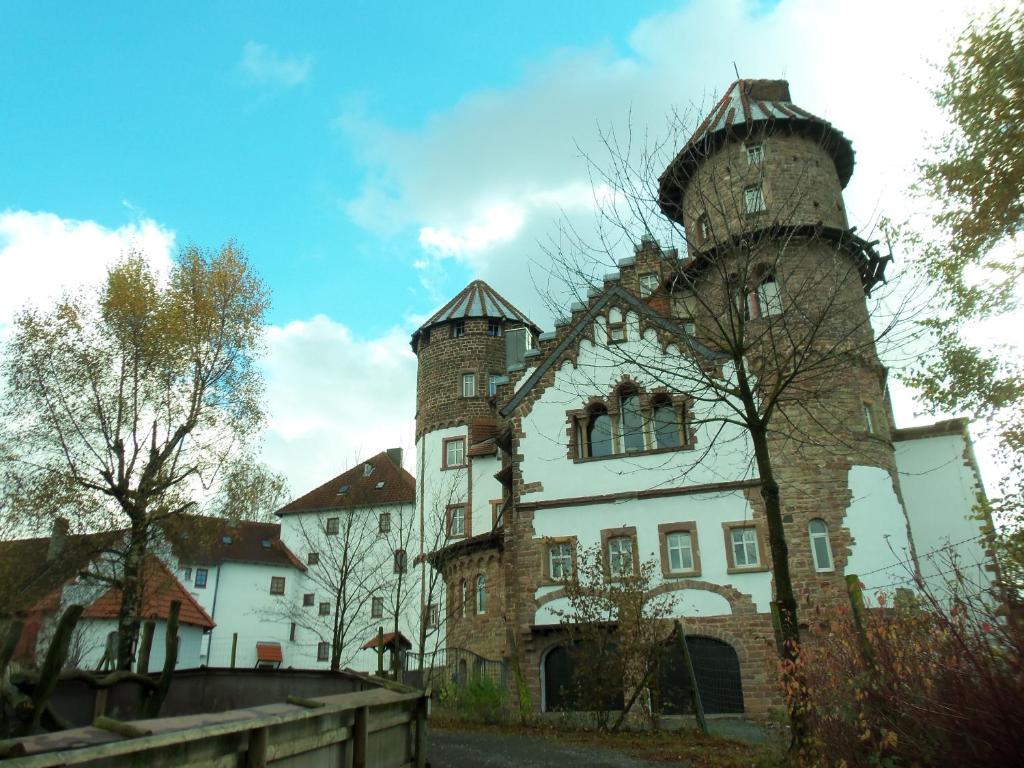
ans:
(632, 422)
(821, 549)
(481, 594)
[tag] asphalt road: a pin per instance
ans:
(481, 749)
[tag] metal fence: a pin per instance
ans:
(457, 666)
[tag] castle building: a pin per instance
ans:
(621, 432)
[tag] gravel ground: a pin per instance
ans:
(482, 749)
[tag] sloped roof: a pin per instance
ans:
(215, 540)
(389, 638)
(477, 299)
(748, 105)
(360, 489)
(159, 589)
(28, 578)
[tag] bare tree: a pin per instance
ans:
(762, 321)
(340, 562)
(393, 583)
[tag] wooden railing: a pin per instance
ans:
(385, 728)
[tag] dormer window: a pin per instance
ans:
(225, 539)
(367, 469)
(755, 154)
(380, 485)
(343, 490)
(494, 328)
(458, 329)
(616, 326)
(648, 285)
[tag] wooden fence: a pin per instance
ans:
(384, 728)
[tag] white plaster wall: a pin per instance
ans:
(940, 489)
(722, 450)
(485, 490)
(92, 636)
(708, 510)
(880, 553)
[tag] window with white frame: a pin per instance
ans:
(648, 285)
(753, 197)
(821, 549)
(433, 616)
(755, 154)
(620, 556)
(616, 326)
(744, 547)
(560, 561)
(492, 384)
(457, 520)
(458, 329)
(679, 546)
(455, 452)
(869, 418)
(481, 594)
(468, 384)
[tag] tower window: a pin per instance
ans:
(492, 384)
(755, 154)
(458, 329)
(704, 228)
(454, 452)
(821, 549)
(468, 384)
(481, 594)
(494, 328)
(648, 285)
(764, 301)
(754, 199)
(869, 418)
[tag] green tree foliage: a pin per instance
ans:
(127, 405)
(975, 254)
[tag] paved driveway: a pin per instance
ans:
(481, 749)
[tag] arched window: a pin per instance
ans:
(463, 598)
(632, 422)
(598, 432)
(667, 423)
(821, 549)
(481, 594)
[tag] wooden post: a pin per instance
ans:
(360, 734)
(145, 647)
(56, 655)
(234, 648)
(99, 704)
(156, 698)
(857, 607)
(380, 651)
(256, 754)
(698, 704)
(421, 732)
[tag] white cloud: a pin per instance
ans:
(265, 66)
(43, 255)
(334, 399)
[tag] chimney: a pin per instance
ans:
(768, 90)
(58, 536)
(395, 454)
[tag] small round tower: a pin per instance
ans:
(461, 349)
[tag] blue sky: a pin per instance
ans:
(375, 157)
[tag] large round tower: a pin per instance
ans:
(759, 192)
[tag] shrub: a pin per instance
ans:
(479, 699)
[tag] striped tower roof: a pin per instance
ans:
(747, 106)
(477, 299)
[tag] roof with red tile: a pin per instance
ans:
(159, 589)
(389, 638)
(200, 540)
(269, 652)
(384, 484)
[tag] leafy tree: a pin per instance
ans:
(124, 406)
(974, 251)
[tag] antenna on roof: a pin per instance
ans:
(736, 70)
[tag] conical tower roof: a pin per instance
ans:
(477, 299)
(747, 107)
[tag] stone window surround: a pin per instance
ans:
(467, 527)
(664, 529)
(607, 534)
(548, 542)
(762, 549)
(577, 420)
(444, 453)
